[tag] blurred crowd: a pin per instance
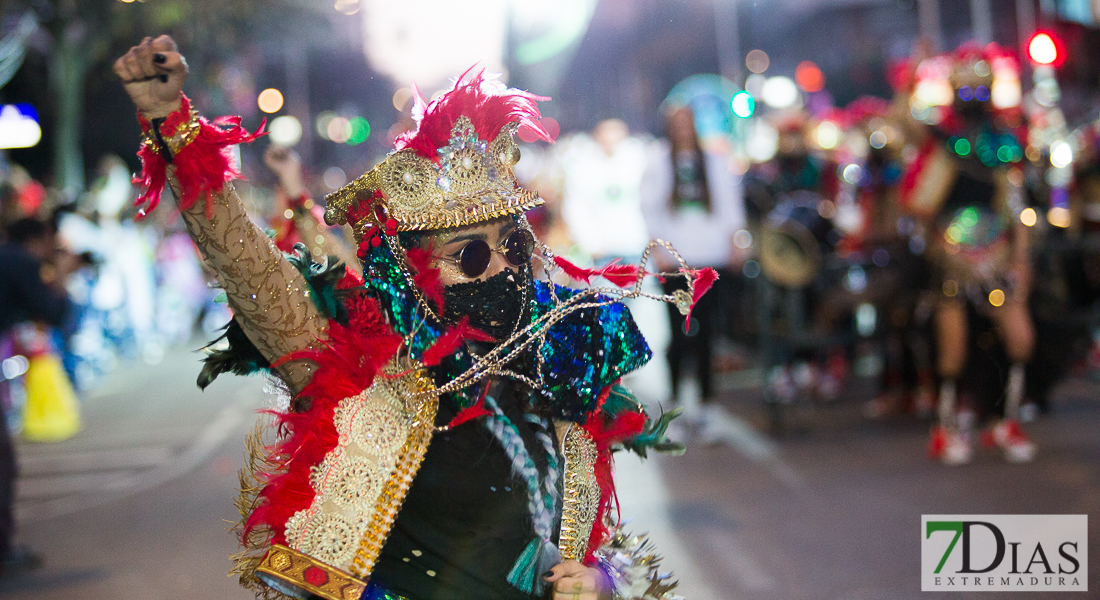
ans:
(940, 244)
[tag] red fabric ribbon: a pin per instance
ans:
(618, 274)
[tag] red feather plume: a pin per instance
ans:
(449, 342)
(474, 98)
(474, 411)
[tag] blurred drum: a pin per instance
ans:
(795, 240)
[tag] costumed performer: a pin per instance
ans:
(451, 416)
(967, 184)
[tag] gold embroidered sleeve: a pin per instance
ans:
(269, 297)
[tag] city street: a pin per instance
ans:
(138, 505)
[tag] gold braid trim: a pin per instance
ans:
(255, 546)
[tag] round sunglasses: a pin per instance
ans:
(475, 256)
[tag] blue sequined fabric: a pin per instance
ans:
(582, 354)
(377, 592)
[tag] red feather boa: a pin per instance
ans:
(425, 276)
(606, 433)
(351, 358)
(202, 167)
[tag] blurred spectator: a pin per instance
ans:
(601, 202)
(692, 199)
(31, 272)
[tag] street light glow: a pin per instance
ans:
(1042, 49)
(18, 130)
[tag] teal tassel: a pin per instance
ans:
(523, 573)
(538, 557)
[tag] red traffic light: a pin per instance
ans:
(1045, 49)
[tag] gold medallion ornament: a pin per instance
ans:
(472, 182)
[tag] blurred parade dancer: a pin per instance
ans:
(448, 338)
(298, 219)
(966, 183)
(692, 199)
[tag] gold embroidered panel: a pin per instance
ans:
(361, 483)
(581, 495)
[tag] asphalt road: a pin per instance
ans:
(138, 505)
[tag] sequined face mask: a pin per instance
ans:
(494, 305)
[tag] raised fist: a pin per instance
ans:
(153, 73)
(287, 166)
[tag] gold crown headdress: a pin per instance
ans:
(454, 170)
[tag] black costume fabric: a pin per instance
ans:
(465, 518)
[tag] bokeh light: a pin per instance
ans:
(997, 297)
(18, 128)
(1029, 217)
(742, 104)
(852, 173)
(754, 84)
(809, 77)
(757, 61)
(322, 121)
(827, 135)
(285, 131)
(763, 142)
(347, 7)
(1006, 93)
(401, 98)
(779, 92)
(334, 177)
(878, 140)
(1042, 49)
(339, 130)
(360, 131)
(1058, 217)
(551, 126)
(270, 100)
(1061, 154)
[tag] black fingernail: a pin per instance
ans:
(547, 574)
(159, 58)
(163, 78)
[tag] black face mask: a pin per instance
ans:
(493, 306)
